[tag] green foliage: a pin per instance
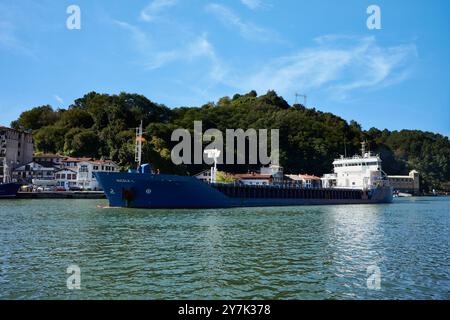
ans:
(36, 118)
(102, 125)
(76, 118)
(85, 143)
(49, 139)
(223, 177)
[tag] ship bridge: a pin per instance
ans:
(358, 172)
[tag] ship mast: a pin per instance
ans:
(363, 148)
(213, 154)
(138, 145)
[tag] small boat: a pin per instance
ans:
(9, 190)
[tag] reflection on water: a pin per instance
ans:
(248, 253)
(354, 235)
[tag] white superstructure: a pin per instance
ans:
(358, 172)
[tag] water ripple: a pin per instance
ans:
(254, 253)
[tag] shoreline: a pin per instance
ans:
(101, 195)
(62, 195)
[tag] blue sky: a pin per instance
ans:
(190, 52)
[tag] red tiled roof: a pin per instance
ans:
(308, 177)
(101, 161)
(253, 176)
(70, 159)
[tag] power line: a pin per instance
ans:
(297, 95)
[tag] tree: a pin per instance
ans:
(223, 177)
(86, 143)
(36, 118)
(102, 125)
(76, 117)
(49, 139)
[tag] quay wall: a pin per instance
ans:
(61, 195)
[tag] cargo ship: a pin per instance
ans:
(356, 180)
(9, 190)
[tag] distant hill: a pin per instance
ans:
(102, 125)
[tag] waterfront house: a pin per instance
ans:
(55, 159)
(329, 180)
(275, 171)
(204, 176)
(85, 172)
(66, 178)
(304, 180)
(39, 174)
(72, 163)
(294, 180)
(253, 178)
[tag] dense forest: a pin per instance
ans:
(102, 125)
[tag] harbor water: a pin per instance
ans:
(387, 251)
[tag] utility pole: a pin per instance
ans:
(301, 96)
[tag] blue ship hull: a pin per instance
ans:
(9, 190)
(137, 190)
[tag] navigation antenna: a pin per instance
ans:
(363, 148)
(213, 154)
(138, 145)
(302, 96)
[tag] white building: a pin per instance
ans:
(329, 180)
(204, 176)
(66, 178)
(16, 148)
(406, 184)
(254, 179)
(275, 171)
(35, 173)
(85, 172)
(55, 159)
(72, 163)
(304, 180)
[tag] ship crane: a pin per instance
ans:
(138, 145)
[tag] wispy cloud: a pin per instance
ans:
(198, 48)
(139, 37)
(58, 99)
(150, 12)
(252, 4)
(8, 31)
(336, 65)
(195, 48)
(246, 29)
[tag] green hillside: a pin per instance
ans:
(102, 125)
